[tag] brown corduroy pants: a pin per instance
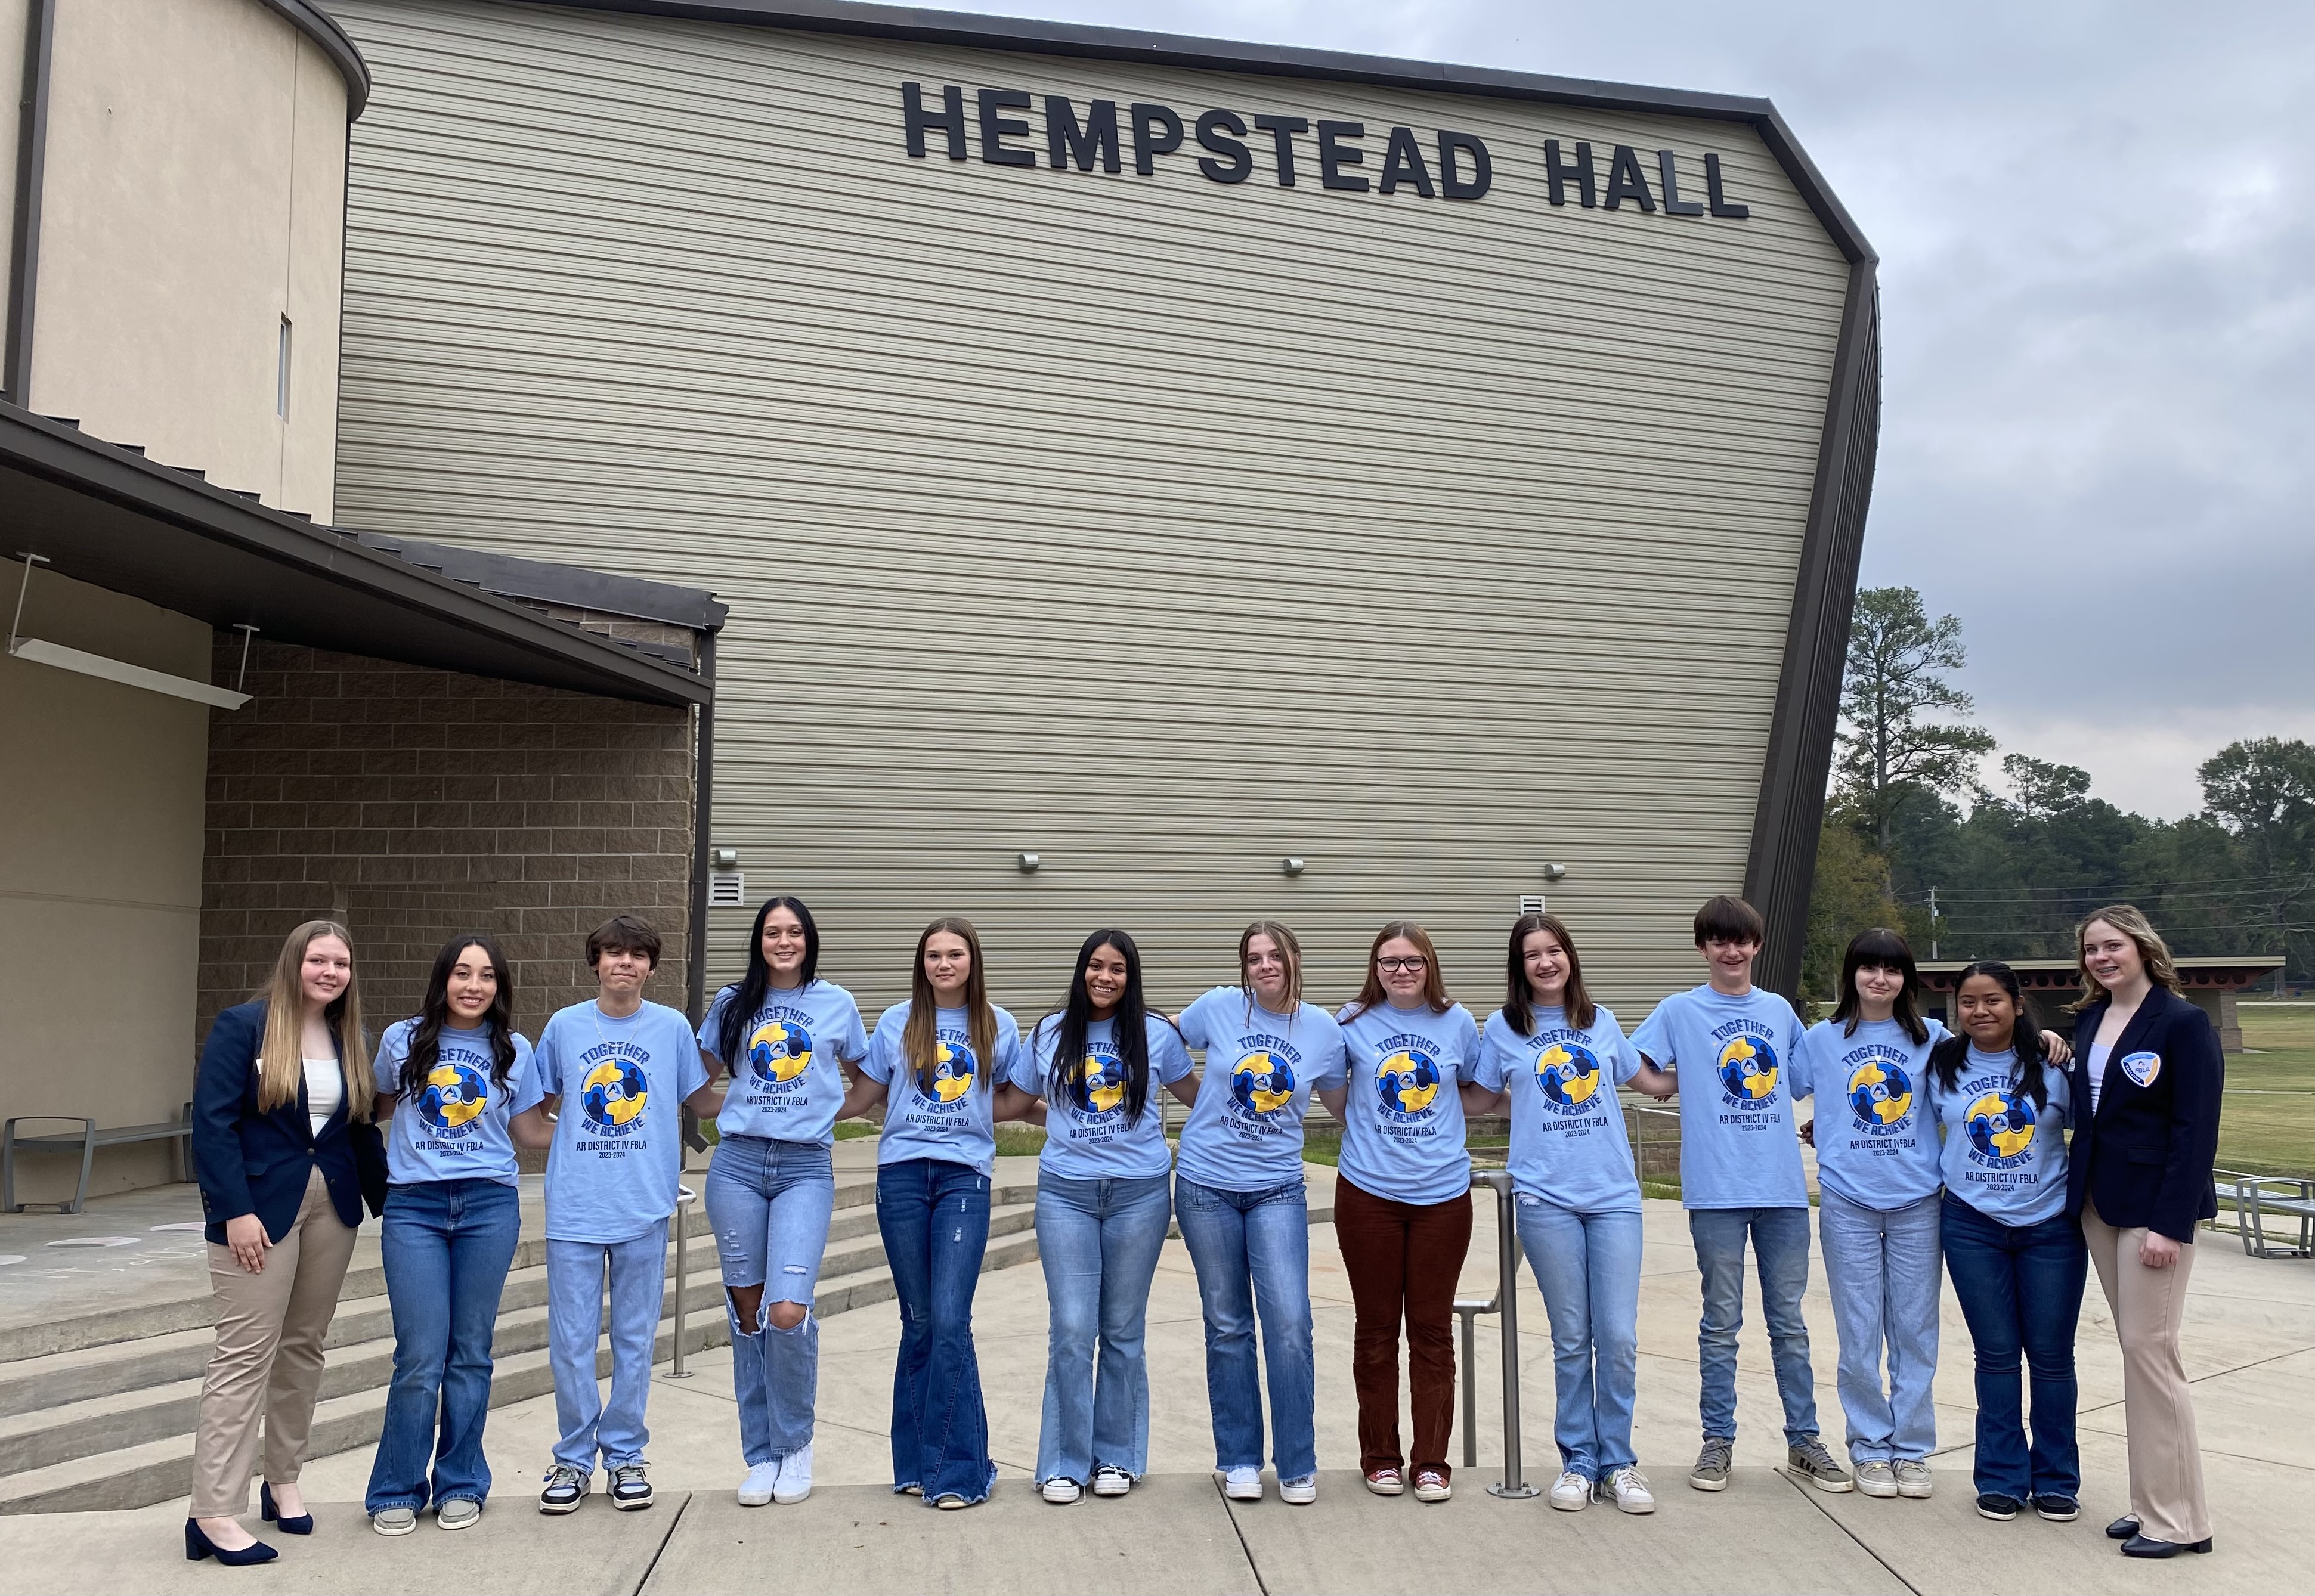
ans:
(1404, 1259)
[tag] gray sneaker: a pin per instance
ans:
(1878, 1477)
(393, 1520)
(1913, 1479)
(1711, 1471)
(460, 1512)
(1808, 1459)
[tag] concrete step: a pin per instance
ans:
(78, 1422)
(132, 1448)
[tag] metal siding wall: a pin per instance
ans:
(1156, 527)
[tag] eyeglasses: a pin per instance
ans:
(1393, 966)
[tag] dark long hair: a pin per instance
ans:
(1881, 949)
(434, 1013)
(2025, 1038)
(1065, 1076)
(1518, 1006)
(748, 993)
(1434, 985)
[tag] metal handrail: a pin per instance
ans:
(684, 1197)
(1505, 1301)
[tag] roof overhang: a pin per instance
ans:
(105, 515)
(2224, 973)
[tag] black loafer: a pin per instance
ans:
(1994, 1505)
(2138, 1546)
(2057, 1510)
(2122, 1527)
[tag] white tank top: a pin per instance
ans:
(325, 1088)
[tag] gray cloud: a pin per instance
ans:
(2097, 226)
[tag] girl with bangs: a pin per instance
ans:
(1103, 1208)
(1238, 1193)
(783, 1036)
(936, 1061)
(1555, 1058)
(452, 1078)
(1402, 1200)
(287, 1157)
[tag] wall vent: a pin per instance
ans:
(727, 889)
(1531, 904)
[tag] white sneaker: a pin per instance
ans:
(1061, 1490)
(756, 1490)
(1629, 1488)
(794, 1482)
(1243, 1485)
(1111, 1481)
(1571, 1492)
(1298, 1492)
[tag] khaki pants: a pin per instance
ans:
(2166, 1459)
(268, 1363)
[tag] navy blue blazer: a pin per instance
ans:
(253, 1160)
(2144, 1158)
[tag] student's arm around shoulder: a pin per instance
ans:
(2189, 1046)
(533, 1126)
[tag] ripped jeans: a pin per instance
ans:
(769, 1202)
(935, 1217)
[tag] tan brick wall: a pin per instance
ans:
(414, 803)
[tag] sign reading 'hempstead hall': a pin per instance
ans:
(1448, 164)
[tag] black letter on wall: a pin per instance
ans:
(1626, 180)
(1064, 138)
(1403, 163)
(1281, 130)
(950, 121)
(1673, 204)
(1156, 131)
(1722, 206)
(1450, 180)
(1333, 158)
(1562, 173)
(994, 128)
(1211, 127)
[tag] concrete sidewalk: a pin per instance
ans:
(2250, 1346)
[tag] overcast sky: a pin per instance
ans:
(2096, 232)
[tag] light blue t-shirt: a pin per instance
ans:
(1091, 1139)
(2002, 1155)
(953, 1121)
(617, 1164)
(1738, 1147)
(1568, 1145)
(1245, 1133)
(788, 1085)
(1875, 1144)
(1406, 1069)
(457, 1128)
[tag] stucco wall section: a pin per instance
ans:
(194, 195)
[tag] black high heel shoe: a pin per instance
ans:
(198, 1546)
(303, 1524)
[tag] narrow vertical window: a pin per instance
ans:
(281, 377)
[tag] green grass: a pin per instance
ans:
(2268, 1126)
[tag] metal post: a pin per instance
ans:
(1505, 1302)
(684, 1198)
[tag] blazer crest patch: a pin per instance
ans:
(2142, 1067)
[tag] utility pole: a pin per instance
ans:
(1933, 923)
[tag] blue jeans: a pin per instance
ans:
(1252, 1249)
(1882, 1268)
(448, 1246)
(2020, 1288)
(1781, 1248)
(1587, 1265)
(1099, 1241)
(934, 1219)
(574, 1315)
(769, 1202)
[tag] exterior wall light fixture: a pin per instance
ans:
(1552, 872)
(1290, 866)
(1027, 863)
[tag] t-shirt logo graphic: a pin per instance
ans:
(1260, 1084)
(2001, 1129)
(615, 1096)
(1881, 1097)
(455, 1095)
(953, 1067)
(1569, 1076)
(2142, 1068)
(1103, 1090)
(1748, 1070)
(1407, 1081)
(779, 1051)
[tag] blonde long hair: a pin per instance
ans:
(281, 1054)
(917, 1039)
(2130, 920)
